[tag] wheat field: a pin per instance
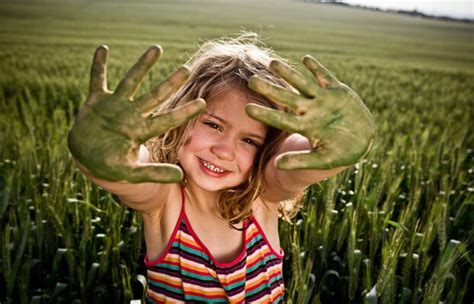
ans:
(395, 228)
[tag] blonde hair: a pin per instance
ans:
(218, 66)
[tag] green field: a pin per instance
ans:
(395, 228)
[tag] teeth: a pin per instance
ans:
(211, 167)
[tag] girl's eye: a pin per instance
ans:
(251, 142)
(212, 125)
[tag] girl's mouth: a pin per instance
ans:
(211, 169)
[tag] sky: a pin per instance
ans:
(451, 8)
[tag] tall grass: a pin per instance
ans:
(395, 228)
(399, 221)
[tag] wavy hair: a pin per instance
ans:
(220, 65)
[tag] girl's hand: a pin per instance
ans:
(330, 114)
(109, 129)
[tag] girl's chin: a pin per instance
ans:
(213, 185)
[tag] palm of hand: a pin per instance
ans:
(110, 127)
(327, 112)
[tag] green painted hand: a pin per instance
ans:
(109, 129)
(330, 114)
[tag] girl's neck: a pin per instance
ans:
(204, 201)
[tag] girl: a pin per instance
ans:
(229, 141)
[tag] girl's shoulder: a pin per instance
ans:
(160, 223)
(172, 201)
(266, 215)
(264, 210)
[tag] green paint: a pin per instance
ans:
(110, 127)
(329, 113)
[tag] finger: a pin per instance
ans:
(274, 118)
(339, 152)
(134, 77)
(324, 77)
(159, 173)
(163, 91)
(159, 124)
(304, 85)
(98, 81)
(280, 95)
(309, 160)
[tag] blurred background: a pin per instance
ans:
(395, 228)
(457, 9)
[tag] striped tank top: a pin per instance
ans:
(187, 271)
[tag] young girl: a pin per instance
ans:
(227, 142)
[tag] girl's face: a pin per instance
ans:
(223, 144)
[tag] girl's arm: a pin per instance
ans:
(284, 184)
(336, 127)
(110, 128)
(141, 197)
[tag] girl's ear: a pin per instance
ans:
(187, 141)
(178, 156)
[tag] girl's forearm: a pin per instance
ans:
(137, 196)
(123, 189)
(286, 184)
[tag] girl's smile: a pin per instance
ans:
(223, 144)
(211, 169)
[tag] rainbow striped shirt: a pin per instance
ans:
(187, 272)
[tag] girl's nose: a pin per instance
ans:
(224, 149)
